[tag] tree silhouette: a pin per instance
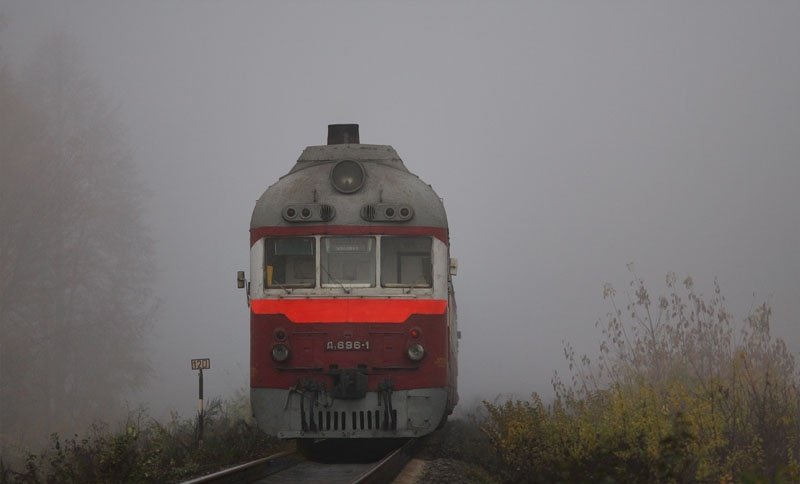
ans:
(75, 258)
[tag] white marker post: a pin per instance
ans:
(200, 364)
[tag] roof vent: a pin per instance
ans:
(340, 134)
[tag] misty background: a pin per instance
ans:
(567, 139)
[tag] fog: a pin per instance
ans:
(567, 139)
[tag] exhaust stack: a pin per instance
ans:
(339, 134)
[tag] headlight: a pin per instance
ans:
(416, 351)
(280, 352)
(347, 176)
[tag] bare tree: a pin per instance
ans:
(75, 259)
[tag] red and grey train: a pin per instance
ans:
(353, 330)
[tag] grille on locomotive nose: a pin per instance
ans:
(368, 212)
(326, 212)
(361, 420)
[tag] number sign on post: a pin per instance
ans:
(200, 364)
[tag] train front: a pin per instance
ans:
(353, 325)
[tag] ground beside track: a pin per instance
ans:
(451, 455)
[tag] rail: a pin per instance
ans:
(293, 467)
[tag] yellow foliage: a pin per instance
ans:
(683, 401)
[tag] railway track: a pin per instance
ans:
(292, 467)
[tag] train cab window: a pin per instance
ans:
(347, 261)
(290, 262)
(406, 262)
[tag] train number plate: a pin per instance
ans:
(348, 345)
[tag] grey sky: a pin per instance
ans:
(566, 138)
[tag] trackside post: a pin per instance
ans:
(200, 364)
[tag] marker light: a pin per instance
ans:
(414, 333)
(280, 334)
(280, 352)
(416, 351)
(347, 176)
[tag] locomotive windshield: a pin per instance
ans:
(406, 262)
(290, 262)
(347, 261)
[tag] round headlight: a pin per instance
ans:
(280, 352)
(347, 176)
(416, 351)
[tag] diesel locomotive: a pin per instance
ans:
(353, 330)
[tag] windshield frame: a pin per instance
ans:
(342, 288)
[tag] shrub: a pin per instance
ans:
(676, 394)
(148, 451)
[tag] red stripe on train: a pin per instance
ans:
(347, 310)
(261, 232)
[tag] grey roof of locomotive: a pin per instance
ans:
(387, 181)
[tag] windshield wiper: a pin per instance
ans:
(337, 281)
(414, 285)
(281, 286)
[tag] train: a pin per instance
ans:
(353, 327)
